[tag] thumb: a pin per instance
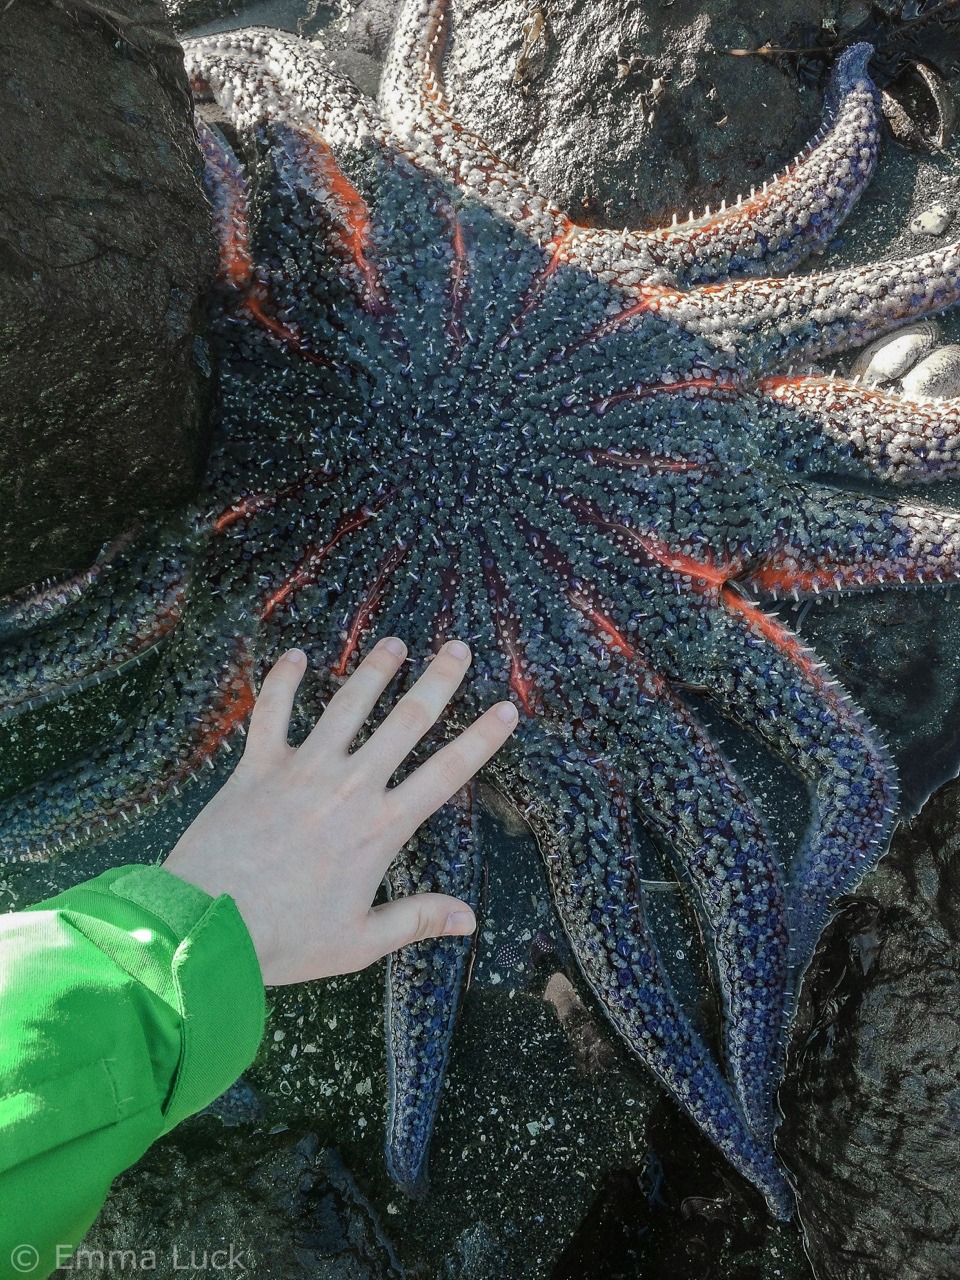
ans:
(423, 915)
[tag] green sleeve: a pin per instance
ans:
(126, 1004)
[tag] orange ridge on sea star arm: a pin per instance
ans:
(368, 606)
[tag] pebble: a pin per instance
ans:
(853, 14)
(932, 222)
(938, 376)
(889, 358)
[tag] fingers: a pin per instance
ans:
(353, 702)
(423, 915)
(416, 712)
(452, 767)
(270, 720)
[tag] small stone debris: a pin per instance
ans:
(932, 222)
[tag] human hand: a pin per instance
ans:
(301, 837)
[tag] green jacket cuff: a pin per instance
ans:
(192, 951)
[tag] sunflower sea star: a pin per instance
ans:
(449, 410)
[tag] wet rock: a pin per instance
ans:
(356, 37)
(237, 1105)
(932, 222)
(937, 376)
(852, 14)
(625, 114)
(654, 1222)
(890, 357)
(106, 252)
(278, 1207)
(873, 1089)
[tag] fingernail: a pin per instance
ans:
(458, 649)
(507, 712)
(294, 655)
(395, 646)
(460, 922)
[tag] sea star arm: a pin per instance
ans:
(576, 803)
(38, 603)
(689, 796)
(793, 216)
(424, 987)
(840, 542)
(229, 194)
(828, 424)
(772, 231)
(413, 100)
(191, 716)
(305, 115)
(774, 320)
(762, 676)
(259, 75)
(122, 607)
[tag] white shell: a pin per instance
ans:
(889, 358)
(932, 222)
(937, 377)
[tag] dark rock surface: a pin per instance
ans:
(624, 113)
(873, 1094)
(105, 252)
(278, 1207)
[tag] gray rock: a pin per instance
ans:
(873, 1092)
(355, 37)
(105, 252)
(287, 1208)
(625, 114)
(932, 222)
(622, 115)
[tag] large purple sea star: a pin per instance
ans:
(448, 410)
